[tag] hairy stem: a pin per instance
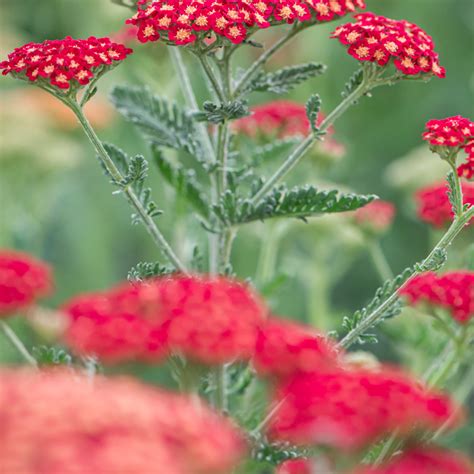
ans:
(216, 85)
(254, 68)
(372, 319)
(18, 344)
(303, 147)
(133, 199)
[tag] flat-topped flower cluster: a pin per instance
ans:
(379, 40)
(64, 63)
(184, 21)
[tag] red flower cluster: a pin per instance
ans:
(379, 39)
(284, 348)
(283, 119)
(185, 21)
(453, 132)
(64, 63)
(424, 460)
(351, 409)
(59, 422)
(376, 217)
(23, 279)
(433, 204)
(212, 320)
(295, 466)
(453, 291)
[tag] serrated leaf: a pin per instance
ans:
(183, 181)
(453, 193)
(47, 356)
(299, 202)
(313, 106)
(354, 81)
(145, 270)
(161, 123)
(219, 113)
(285, 79)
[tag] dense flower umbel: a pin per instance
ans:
(23, 279)
(59, 422)
(453, 132)
(379, 40)
(295, 466)
(428, 460)
(212, 320)
(284, 348)
(433, 204)
(376, 217)
(185, 21)
(66, 63)
(353, 408)
(284, 119)
(453, 291)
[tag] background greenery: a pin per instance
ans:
(55, 202)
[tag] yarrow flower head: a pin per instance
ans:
(60, 422)
(284, 119)
(453, 291)
(433, 204)
(23, 279)
(448, 136)
(377, 217)
(211, 320)
(423, 460)
(284, 348)
(66, 64)
(380, 40)
(349, 409)
(183, 21)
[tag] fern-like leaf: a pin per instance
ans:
(146, 270)
(161, 123)
(313, 106)
(302, 202)
(285, 79)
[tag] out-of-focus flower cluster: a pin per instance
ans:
(58, 422)
(23, 279)
(376, 217)
(379, 40)
(453, 291)
(350, 409)
(212, 320)
(433, 204)
(66, 63)
(453, 132)
(284, 119)
(184, 21)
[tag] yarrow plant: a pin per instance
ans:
(259, 393)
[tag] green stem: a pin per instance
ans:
(253, 69)
(133, 199)
(380, 262)
(16, 342)
(220, 393)
(212, 77)
(457, 225)
(303, 147)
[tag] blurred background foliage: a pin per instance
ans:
(56, 204)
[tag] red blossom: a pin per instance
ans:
(377, 216)
(433, 204)
(64, 63)
(353, 408)
(378, 39)
(57, 422)
(453, 132)
(453, 291)
(428, 460)
(175, 19)
(284, 348)
(295, 466)
(212, 320)
(283, 119)
(23, 279)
